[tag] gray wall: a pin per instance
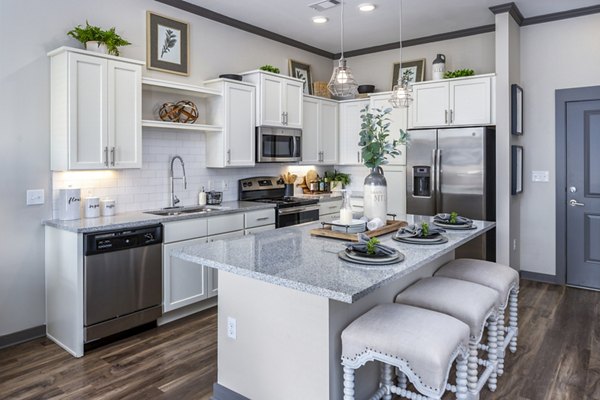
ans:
(32, 28)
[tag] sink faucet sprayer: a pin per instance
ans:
(172, 198)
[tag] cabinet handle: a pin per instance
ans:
(286, 117)
(358, 157)
(262, 218)
(446, 116)
(112, 156)
(229, 156)
(451, 116)
(106, 156)
(283, 118)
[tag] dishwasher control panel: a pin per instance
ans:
(101, 242)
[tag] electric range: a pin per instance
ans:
(270, 189)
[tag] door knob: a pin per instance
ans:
(574, 203)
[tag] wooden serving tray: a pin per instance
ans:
(390, 226)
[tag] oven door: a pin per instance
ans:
(297, 215)
(278, 144)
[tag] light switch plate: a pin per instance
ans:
(540, 176)
(35, 196)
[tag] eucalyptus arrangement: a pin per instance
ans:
(91, 33)
(269, 68)
(374, 137)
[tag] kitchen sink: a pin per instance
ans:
(167, 211)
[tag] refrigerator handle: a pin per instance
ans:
(438, 180)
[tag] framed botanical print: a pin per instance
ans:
(412, 71)
(301, 71)
(167, 44)
(516, 169)
(516, 109)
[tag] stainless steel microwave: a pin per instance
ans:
(278, 144)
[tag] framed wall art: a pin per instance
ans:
(516, 109)
(301, 71)
(167, 44)
(412, 71)
(516, 180)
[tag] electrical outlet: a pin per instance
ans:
(231, 328)
(35, 196)
(225, 186)
(540, 176)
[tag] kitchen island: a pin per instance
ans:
(284, 299)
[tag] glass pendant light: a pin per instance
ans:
(342, 82)
(402, 92)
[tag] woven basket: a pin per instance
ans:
(320, 89)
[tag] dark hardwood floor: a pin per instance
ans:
(558, 357)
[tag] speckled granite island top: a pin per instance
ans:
(292, 258)
(140, 218)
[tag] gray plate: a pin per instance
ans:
(455, 226)
(372, 258)
(342, 255)
(415, 240)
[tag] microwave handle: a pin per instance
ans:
(295, 146)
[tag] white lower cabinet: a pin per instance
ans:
(212, 278)
(329, 210)
(252, 231)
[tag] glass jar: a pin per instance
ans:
(346, 209)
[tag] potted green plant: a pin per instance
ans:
(96, 39)
(376, 145)
(338, 180)
(269, 68)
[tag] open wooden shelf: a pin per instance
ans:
(148, 123)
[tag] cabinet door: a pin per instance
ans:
(87, 111)
(349, 132)
(398, 120)
(184, 282)
(293, 103)
(212, 277)
(252, 231)
(430, 105)
(310, 132)
(124, 115)
(271, 101)
(396, 187)
(328, 132)
(239, 125)
(470, 101)
(330, 207)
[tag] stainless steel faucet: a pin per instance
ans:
(173, 200)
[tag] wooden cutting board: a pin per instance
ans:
(390, 226)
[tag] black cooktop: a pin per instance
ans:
(284, 202)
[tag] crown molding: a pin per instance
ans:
(578, 12)
(510, 8)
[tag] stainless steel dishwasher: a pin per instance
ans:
(122, 275)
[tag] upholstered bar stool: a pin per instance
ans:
(505, 281)
(422, 344)
(475, 305)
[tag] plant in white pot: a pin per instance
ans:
(96, 39)
(376, 146)
(338, 180)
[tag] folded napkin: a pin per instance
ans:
(375, 223)
(361, 247)
(445, 218)
(418, 231)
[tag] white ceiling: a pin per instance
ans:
(292, 18)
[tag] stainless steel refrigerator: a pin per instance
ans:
(453, 169)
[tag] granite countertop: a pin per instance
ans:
(292, 258)
(323, 197)
(140, 218)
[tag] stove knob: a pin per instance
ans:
(149, 236)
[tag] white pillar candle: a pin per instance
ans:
(345, 216)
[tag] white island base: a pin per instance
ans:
(287, 343)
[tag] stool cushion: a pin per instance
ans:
(426, 341)
(496, 276)
(469, 302)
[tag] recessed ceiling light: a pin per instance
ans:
(319, 19)
(366, 7)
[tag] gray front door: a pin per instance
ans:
(583, 193)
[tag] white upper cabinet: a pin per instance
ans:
(95, 111)
(453, 102)
(398, 120)
(279, 99)
(349, 131)
(320, 131)
(235, 112)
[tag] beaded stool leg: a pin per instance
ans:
(513, 318)
(386, 380)
(348, 383)
(500, 342)
(493, 352)
(461, 377)
(402, 380)
(472, 368)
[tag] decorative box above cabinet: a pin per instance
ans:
(320, 131)
(279, 99)
(95, 111)
(454, 102)
(235, 111)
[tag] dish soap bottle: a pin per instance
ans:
(202, 197)
(346, 210)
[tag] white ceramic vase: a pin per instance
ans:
(375, 195)
(96, 47)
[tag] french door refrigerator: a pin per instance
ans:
(453, 169)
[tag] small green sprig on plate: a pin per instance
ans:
(453, 216)
(424, 229)
(371, 245)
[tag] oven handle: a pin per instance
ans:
(296, 210)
